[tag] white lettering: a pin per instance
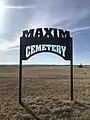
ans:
(33, 47)
(49, 47)
(44, 47)
(63, 50)
(54, 48)
(38, 48)
(27, 51)
(59, 49)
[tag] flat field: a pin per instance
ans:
(45, 93)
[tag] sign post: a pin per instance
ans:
(20, 74)
(51, 40)
(71, 70)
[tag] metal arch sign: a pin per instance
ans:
(39, 40)
(46, 40)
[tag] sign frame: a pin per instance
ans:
(71, 64)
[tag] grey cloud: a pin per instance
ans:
(74, 20)
(85, 22)
(14, 48)
(82, 4)
(46, 12)
(19, 2)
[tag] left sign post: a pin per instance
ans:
(20, 73)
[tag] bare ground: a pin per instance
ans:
(45, 91)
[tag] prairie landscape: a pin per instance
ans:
(45, 93)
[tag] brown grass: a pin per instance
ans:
(46, 91)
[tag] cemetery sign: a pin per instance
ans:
(52, 40)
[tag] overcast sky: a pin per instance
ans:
(19, 15)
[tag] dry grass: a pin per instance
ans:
(46, 91)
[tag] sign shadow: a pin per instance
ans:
(29, 111)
